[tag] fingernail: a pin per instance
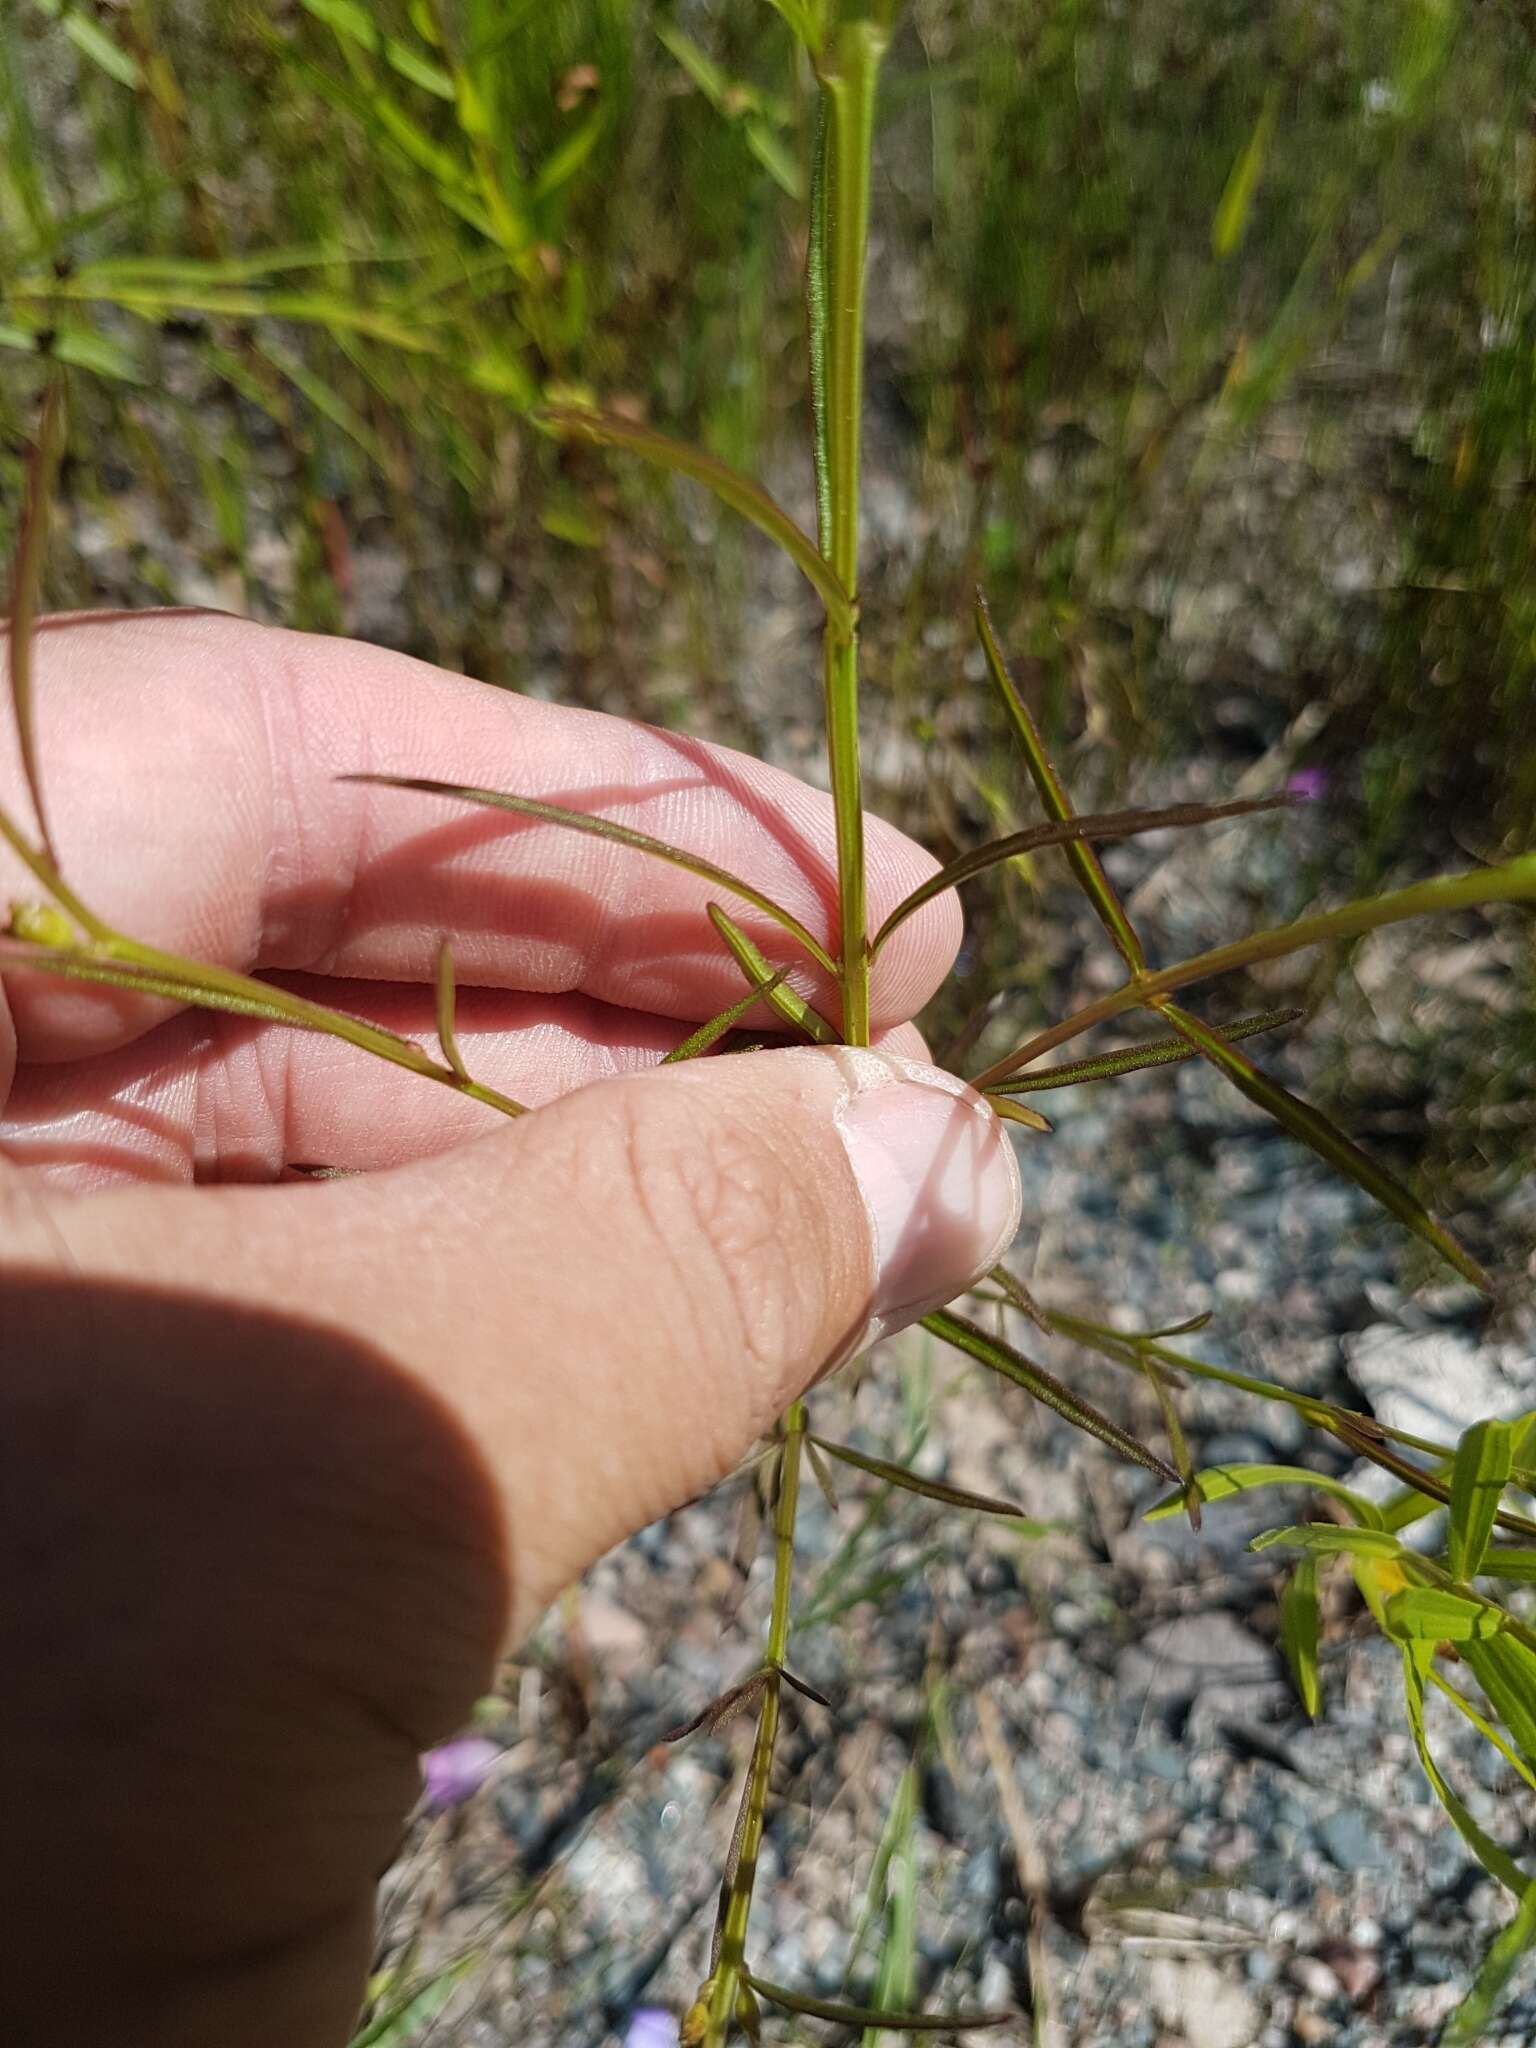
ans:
(938, 1177)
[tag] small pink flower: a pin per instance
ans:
(455, 1771)
(1309, 784)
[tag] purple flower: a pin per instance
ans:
(1309, 784)
(455, 1771)
(651, 2028)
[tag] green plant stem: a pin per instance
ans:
(730, 1967)
(849, 70)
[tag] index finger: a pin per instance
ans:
(192, 764)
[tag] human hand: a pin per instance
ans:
(282, 1468)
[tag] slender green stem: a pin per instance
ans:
(730, 1965)
(849, 70)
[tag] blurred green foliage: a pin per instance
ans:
(1203, 332)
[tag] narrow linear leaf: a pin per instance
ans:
(1505, 1562)
(930, 1489)
(1370, 1443)
(823, 1475)
(195, 984)
(1013, 1112)
(1514, 882)
(1084, 862)
(806, 1692)
(1157, 1052)
(1327, 1539)
(619, 835)
(700, 1041)
(1327, 1140)
(1002, 1358)
(1019, 1297)
(26, 588)
(1484, 1727)
(1178, 1445)
(1187, 1328)
(446, 999)
(1418, 1659)
(1070, 831)
(770, 988)
(736, 1700)
(871, 2016)
(1506, 1670)
(1299, 1624)
(1484, 1459)
(1220, 1482)
(738, 492)
(1436, 1616)
(1469, 2023)
(1231, 222)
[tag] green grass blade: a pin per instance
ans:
(1002, 1358)
(1484, 1459)
(1085, 864)
(1327, 1140)
(740, 493)
(618, 835)
(1299, 1621)
(26, 589)
(1070, 832)
(1157, 1052)
(1469, 2023)
(930, 1489)
(871, 2016)
(1514, 882)
(771, 988)
(700, 1041)
(1231, 221)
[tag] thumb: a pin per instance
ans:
(614, 1298)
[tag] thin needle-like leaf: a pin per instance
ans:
(1514, 882)
(619, 835)
(1085, 863)
(1002, 1358)
(446, 996)
(772, 989)
(1019, 1297)
(736, 1700)
(872, 2016)
(805, 1690)
(165, 976)
(700, 1041)
(1013, 1112)
(1157, 1052)
(930, 1489)
(822, 1472)
(740, 493)
(1326, 1139)
(26, 587)
(1070, 831)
